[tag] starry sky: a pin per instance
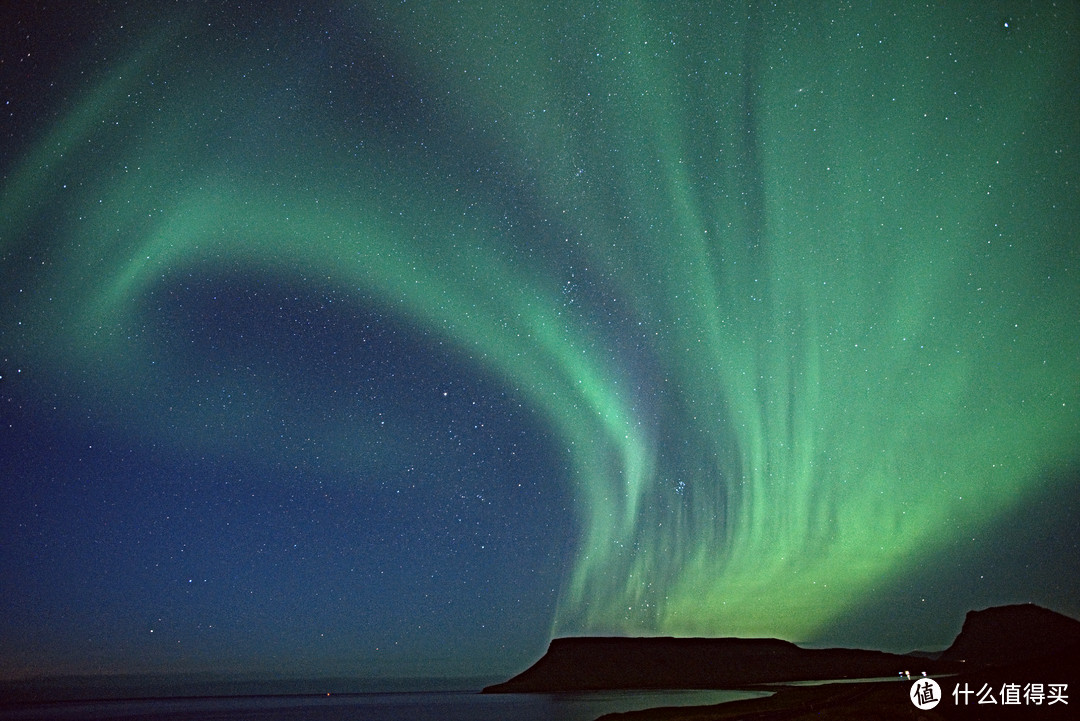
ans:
(395, 339)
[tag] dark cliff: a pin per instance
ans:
(581, 664)
(1009, 635)
(1003, 636)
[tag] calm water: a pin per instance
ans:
(436, 706)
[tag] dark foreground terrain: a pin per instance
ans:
(888, 700)
(1011, 662)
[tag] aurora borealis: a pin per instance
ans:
(399, 339)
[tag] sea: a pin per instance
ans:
(398, 706)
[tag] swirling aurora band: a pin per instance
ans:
(799, 293)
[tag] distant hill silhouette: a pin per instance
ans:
(1010, 635)
(994, 637)
(585, 664)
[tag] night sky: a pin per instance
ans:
(395, 339)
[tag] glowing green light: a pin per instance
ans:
(851, 342)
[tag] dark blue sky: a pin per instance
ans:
(256, 542)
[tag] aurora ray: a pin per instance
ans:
(796, 289)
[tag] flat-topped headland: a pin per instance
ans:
(592, 664)
(995, 637)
